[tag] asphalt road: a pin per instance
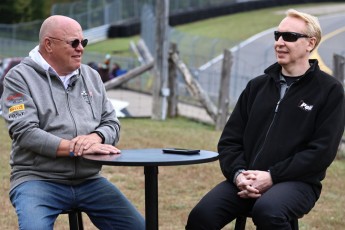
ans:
(252, 56)
(333, 27)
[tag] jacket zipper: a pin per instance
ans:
(69, 109)
(74, 124)
(271, 124)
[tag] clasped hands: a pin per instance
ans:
(253, 183)
(91, 144)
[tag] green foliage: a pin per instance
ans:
(7, 12)
(17, 11)
(40, 9)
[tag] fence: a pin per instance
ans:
(202, 56)
(94, 13)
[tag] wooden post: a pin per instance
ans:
(173, 97)
(339, 67)
(194, 87)
(160, 89)
(224, 94)
(127, 76)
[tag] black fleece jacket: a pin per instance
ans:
(295, 138)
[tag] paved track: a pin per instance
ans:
(255, 55)
(252, 56)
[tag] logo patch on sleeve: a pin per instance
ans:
(16, 108)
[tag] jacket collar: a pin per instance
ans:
(274, 70)
(37, 57)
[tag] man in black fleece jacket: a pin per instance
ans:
(280, 139)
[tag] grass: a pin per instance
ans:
(114, 46)
(180, 187)
(234, 27)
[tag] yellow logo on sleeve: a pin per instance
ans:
(15, 108)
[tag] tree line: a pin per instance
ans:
(18, 11)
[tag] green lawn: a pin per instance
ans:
(180, 187)
(234, 27)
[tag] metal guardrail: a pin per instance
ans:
(96, 34)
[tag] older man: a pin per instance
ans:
(57, 110)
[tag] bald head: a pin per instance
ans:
(56, 37)
(58, 25)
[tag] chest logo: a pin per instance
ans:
(86, 96)
(304, 106)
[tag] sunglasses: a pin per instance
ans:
(289, 36)
(75, 43)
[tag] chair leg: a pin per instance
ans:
(75, 220)
(294, 224)
(240, 223)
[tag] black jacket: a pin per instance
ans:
(296, 139)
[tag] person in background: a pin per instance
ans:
(116, 71)
(57, 110)
(280, 139)
(104, 68)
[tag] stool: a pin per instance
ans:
(240, 223)
(75, 219)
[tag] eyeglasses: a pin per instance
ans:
(75, 43)
(289, 36)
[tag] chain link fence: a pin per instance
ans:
(96, 13)
(202, 55)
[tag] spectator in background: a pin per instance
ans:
(104, 68)
(57, 110)
(282, 136)
(116, 71)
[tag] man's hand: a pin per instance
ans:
(81, 143)
(101, 149)
(253, 183)
(263, 180)
(244, 184)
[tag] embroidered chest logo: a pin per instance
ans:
(304, 106)
(86, 96)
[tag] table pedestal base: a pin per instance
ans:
(151, 197)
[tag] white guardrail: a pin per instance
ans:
(97, 34)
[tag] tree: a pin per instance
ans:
(17, 11)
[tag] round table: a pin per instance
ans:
(150, 159)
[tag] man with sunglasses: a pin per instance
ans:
(57, 110)
(280, 139)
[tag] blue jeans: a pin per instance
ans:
(38, 203)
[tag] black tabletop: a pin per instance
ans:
(151, 157)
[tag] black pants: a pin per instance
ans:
(273, 210)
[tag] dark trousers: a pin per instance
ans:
(273, 210)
